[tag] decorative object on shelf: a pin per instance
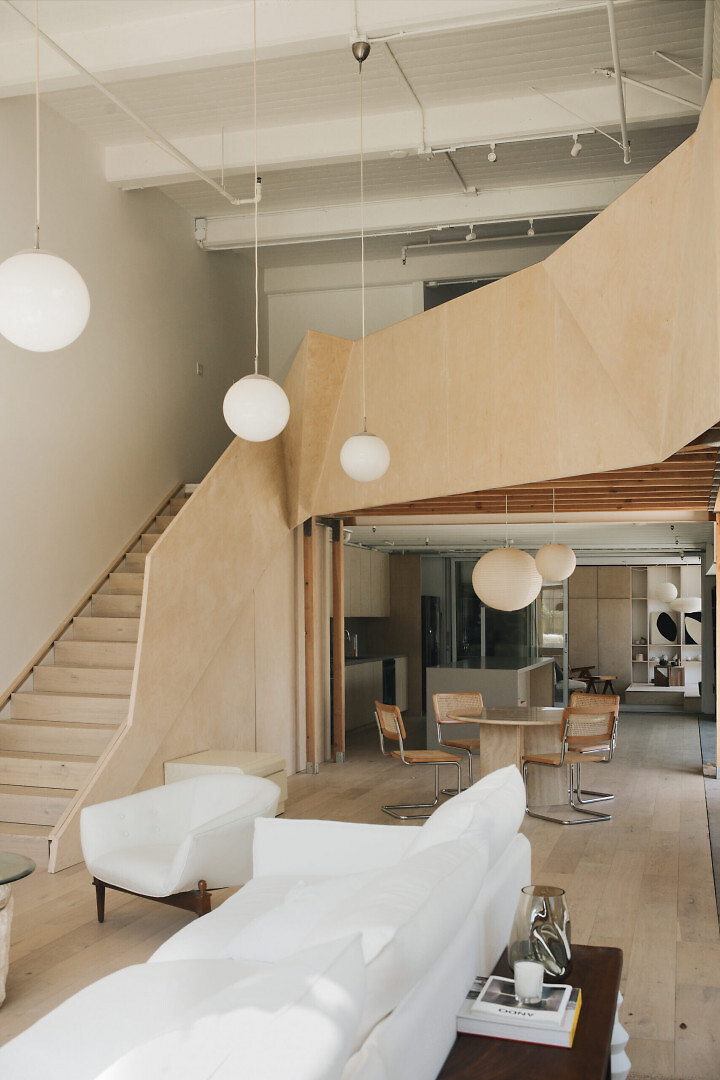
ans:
(666, 626)
(555, 562)
(44, 302)
(364, 457)
(529, 976)
(541, 930)
(255, 407)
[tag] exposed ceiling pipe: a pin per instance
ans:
(423, 147)
(677, 63)
(610, 74)
(707, 50)
(456, 172)
(152, 134)
(618, 81)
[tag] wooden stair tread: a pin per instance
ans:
(21, 828)
(95, 654)
(18, 755)
(36, 792)
(105, 628)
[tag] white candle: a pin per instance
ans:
(528, 981)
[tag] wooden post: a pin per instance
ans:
(717, 642)
(338, 643)
(313, 735)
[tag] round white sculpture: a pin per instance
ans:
(665, 592)
(555, 562)
(365, 457)
(256, 408)
(44, 302)
(686, 604)
(506, 579)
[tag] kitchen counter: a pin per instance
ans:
(352, 660)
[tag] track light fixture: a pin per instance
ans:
(492, 156)
(531, 230)
(576, 147)
(471, 234)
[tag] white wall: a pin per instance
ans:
(335, 311)
(94, 435)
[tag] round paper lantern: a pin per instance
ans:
(256, 408)
(686, 603)
(555, 562)
(365, 457)
(506, 579)
(44, 303)
(665, 592)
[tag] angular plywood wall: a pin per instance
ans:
(604, 356)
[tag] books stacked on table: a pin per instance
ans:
(491, 1008)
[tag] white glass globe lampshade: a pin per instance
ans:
(256, 408)
(555, 562)
(506, 579)
(686, 604)
(44, 303)
(365, 457)
(665, 592)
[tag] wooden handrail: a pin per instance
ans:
(27, 670)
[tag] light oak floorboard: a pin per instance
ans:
(641, 882)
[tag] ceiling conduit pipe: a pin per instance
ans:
(480, 240)
(618, 81)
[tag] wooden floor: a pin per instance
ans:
(642, 881)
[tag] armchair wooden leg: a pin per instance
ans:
(100, 899)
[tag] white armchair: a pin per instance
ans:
(175, 843)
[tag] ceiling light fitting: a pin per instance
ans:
(44, 302)
(364, 457)
(256, 408)
(470, 235)
(576, 147)
(492, 156)
(555, 562)
(506, 579)
(531, 230)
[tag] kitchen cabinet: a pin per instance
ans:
(367, 583)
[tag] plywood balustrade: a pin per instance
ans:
(603, 357)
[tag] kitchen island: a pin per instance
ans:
(506, 681)
(369, 679)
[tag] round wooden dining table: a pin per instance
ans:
(508, 732)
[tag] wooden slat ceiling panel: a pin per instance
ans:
(683, 482)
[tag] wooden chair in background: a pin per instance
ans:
(457, 703)
(390, 726)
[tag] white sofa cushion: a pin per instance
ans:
(293, 1021)
(494, 805)
(407, 915)
(325, 848)
(92, 1028)
(282, 930)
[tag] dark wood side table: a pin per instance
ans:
(597, 972)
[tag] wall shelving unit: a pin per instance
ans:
(649, 643)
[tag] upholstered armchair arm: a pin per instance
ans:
(300, 847)
(220, 851)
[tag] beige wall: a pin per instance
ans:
(94, 435)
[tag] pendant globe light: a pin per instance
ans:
(506, 578)
(686, 604)
(364, 457)
(666, 592)
(44, 302)
(555, 561)
(255, 407)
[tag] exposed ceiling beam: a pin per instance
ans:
(397, 216)
(515, 119)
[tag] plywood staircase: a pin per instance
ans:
(62, 713)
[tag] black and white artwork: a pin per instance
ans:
(693, 630)
(666, 626)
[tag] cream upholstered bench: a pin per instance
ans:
(252, 763)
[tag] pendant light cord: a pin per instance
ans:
(362, 249)
(553, 533)
(37, 129)
(257, 181)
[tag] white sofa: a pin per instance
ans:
(345, 956)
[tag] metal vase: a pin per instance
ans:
(541, 931)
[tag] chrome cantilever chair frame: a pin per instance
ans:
(587, 733)
(445, 703)
(390, 726)
(584, 700)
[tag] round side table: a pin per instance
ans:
(12, 868)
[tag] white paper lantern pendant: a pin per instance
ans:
(665, 592)
(256, 408)
(555, 562)
(44, 302)
(506, 579)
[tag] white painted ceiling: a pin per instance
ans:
(520, 73)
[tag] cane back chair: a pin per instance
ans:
(390, 726)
